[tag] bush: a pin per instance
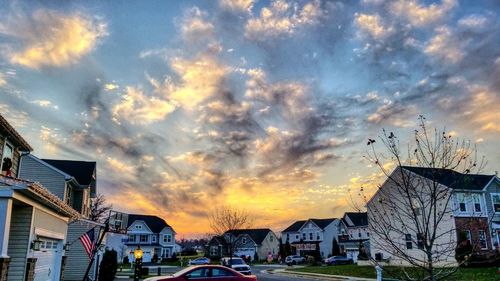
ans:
(189, 252)
(174, 257)
(108, 266)
(256, 257)
(125, 260)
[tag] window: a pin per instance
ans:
(8, 151)
(303, 236)
(143, 238)
(271, 238)
(167, 238)
(287, 237)
(310, 236)
(368, 234)
(297, 237)
(468, 236)
(138, 226)
(416, 206)
(476, 199)
(496, 202)
(359, 234)
(214, 251)
(243, 240)
(482, 240)
(198, 273)
(219, 272)
(409, 245)
(153, 238)
(461, 202)
(420, 241)
(317, 236)
(131, 238)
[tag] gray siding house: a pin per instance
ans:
(33, 221)
(73, 182)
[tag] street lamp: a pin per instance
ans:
(138, 263)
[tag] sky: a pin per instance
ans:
(263, 105)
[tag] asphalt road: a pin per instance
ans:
(263, 275)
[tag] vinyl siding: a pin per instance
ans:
(77, 259)
(19, 241)
(267, 246)
(50, 179)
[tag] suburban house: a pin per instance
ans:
(493, 209)
(33, 221)
(305, 235)
(254, 243)
(353, 233)
(151, 233)
(74, 182)
(467, 210)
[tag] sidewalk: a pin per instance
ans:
(320, 276)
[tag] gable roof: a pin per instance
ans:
(257, 234)
(295, 226)
(322, 223)
(154, 223)
(452, 178)
(218, 240)
(358, 219)
(14, 135)
(82, 171)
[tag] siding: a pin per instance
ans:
(77, 259)
(268, 246)
(50, 179)
(19, 241)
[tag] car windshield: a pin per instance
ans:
(235, 261)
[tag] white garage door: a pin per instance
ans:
(245, 252)
(45, 268)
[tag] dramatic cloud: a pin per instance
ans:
(420, 15)
(372, 26)
(237, 5)
(444, 46)
(49, 38)
(282, 18)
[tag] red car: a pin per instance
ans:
(205, 273)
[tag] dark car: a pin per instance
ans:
(336, 260)
(205, 273)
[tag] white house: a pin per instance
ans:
(151, 233)
(306, 234)
(353, 231)
(466, 214)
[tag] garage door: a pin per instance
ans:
(45, 268)
(245, 252)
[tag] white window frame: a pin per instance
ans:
(142, 236)
(244, 240)
(153, 238)
(7, 144)
(463, 201)
(478, 197)
(138, 226)
(485, 239)
(493, 201)
(131, 236)
(169, 238)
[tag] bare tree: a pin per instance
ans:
(412, 209)
(99, 209)
(226, 218)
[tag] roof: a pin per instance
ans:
(358, 219)
(321, 223)
(82, 171)
(453, 179)
(218, 240)
(11, 132)
(257, 234)
(156, 224)
(295, 226)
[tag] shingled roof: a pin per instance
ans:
(358, 219)
(452, 178)
(295, 226)
(6, 128)
(82, 171)
(258, 234)
(321, 223)
(154, 223)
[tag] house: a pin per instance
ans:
(466, 214)
(74, 182)
(255, 243)
(353, 232)
(492, 197)
(151, 233)
(33, 221)
(305, 235)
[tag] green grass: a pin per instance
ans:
(463, 274)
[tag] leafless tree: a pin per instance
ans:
(409, 210)
(226, 218)
(99, 209)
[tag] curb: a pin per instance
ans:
(321, 276)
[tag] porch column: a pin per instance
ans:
(5, 214)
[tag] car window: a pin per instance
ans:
(237, 261)
(198, 273)
(218, 272)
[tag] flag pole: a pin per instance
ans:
(94, 251)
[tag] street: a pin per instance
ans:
(263, 275)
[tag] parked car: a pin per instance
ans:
(205, 273)
(294, 259)
(237, 264)
(335, 260)
(199, 261)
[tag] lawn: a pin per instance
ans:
(465, 274)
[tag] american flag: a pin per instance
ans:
(88, 242)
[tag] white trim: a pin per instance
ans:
(493, 202)
(25, 199)
(48, 233)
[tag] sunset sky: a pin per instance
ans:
(264, 105)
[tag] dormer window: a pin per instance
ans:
(138, 226)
